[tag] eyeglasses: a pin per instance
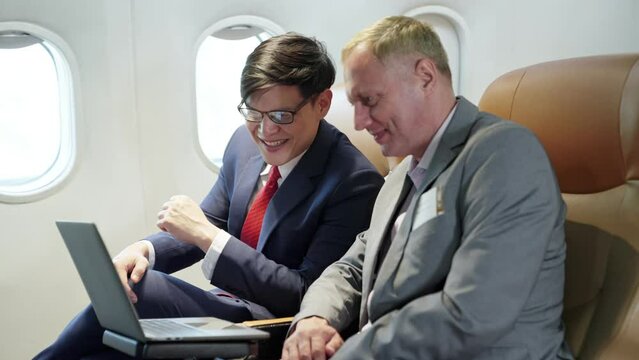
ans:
(277, 116)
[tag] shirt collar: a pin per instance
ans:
(426, 159)
(285, 169)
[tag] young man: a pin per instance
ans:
(464, 258)
(292, 194)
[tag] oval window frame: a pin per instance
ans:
(239, 20)
(461, 32)
(67, 71)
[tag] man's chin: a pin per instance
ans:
(390, 152)
(276, 159)
(387, 150)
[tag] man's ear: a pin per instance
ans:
(323, 102)
(426, 71)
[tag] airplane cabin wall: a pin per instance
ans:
(137, 141)
(39, 286)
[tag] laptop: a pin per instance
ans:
(147, 338)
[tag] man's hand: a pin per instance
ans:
(313, 339)
(131, 263)
(183, 218)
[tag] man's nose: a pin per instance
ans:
(362, 116)
(267, 126)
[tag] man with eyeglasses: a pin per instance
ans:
(291, 196)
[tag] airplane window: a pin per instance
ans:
(34, 116)
(451, 29)
(219, 63)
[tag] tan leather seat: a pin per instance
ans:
(341, 116)
(585, 111)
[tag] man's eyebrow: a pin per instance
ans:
(352, 95)
(349, 99)
(283, 108)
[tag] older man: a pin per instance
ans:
(464, 257)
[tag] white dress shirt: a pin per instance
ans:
(222, 238)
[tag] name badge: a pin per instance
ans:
(429, 205)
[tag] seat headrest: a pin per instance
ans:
(586, 113)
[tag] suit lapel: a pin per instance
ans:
(294, 189)
(299, 184)
(451, 144)
(386, 204)
(246, 181)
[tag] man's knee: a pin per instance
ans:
(153, 292)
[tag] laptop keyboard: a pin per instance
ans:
(168, 328)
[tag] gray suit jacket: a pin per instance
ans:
(476, 270)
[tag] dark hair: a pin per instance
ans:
(288, 59)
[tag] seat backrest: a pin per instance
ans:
(585, 111)
(341, 116)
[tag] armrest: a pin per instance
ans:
(267, 323)
(277, 328)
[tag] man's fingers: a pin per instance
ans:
(161, 224)
(292, 353)
(163, 221)
(310, 340)
(130, 292)
(123, 275)
(138, 271)
(130, 266)
(304, 348)
(318, 351)
(333, 345)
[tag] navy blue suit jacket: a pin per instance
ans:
(310, 222)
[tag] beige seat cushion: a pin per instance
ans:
(585, 112)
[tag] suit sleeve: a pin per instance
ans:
(507, 208)
(336, 295)
(173, 255)
(279, 288)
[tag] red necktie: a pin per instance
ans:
(253, 222)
